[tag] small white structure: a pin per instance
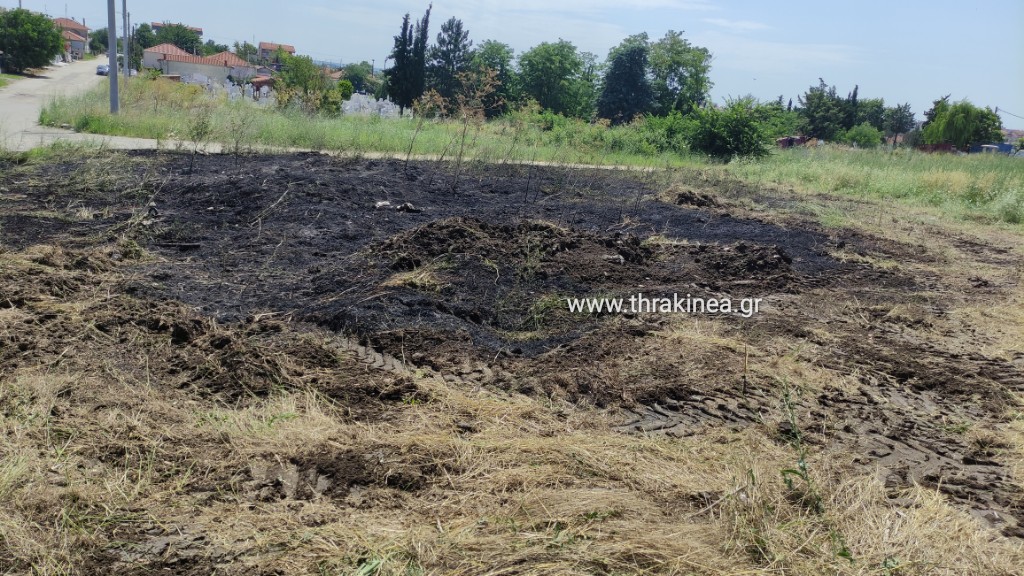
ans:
(366, 105)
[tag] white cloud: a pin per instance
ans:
(737, 25)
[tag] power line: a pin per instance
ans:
(1008, 112)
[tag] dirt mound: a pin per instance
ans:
(694, 198)
(768, 266)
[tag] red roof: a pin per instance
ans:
(167, 49)
(272, 47)
(228, 59)
(69, 24)
(186, 58)
(69, 35)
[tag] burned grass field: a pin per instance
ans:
(303, 364)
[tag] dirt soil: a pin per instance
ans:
(228, 264)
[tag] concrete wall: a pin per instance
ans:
(151, 59)
(214, 73)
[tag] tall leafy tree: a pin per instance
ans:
(585, 88)
(419, 55)
(98, 41)
(872, 111)
(144, 37)
(626, 92)
(898, 120)
(679, 73)
(28, 40)
(496, 56)
(361, 76)
(211, 47)
(400, 76)
(938, 107)
(850, 107)
(181, 36)
(548, 71)
(449, 58)
(823, 111)
(963, 124)
(246, 51)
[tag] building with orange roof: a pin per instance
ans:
(268, 50)
(75, 35)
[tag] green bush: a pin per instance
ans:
(730, 132)
(863, 136)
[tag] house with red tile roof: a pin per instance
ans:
(217, 68)
(151, 56)
(268, 50)
(75, 35)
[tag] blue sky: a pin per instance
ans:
(898, 50)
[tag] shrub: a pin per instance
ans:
(863, 136)
(730, 132)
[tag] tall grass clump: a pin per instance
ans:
(978, 186)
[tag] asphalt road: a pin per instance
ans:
(22, 100)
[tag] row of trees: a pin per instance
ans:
(645, 78)
(641, 76)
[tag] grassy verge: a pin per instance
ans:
(6, 79)
(976, 188)
(167, 111)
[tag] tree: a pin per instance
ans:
(449, 59)
(211, 48)
(938, 106)
(850, 108)
(872, 111)
(181, 36)
(962, 124)
(626, 92)
(144, 37)
(548, 71)
(680, 74)
(98, 41)
(406, 78)
(246, 51)
(585, 88)
(823, 111)
(730, 132)
(361, 76)
(495, 56)
(28, 40)
(777, 120)
(898, 120)
(419, 55)
(400, 74)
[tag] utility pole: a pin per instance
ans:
(112, 54)
(124, 34)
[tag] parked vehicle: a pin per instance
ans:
(102, 70)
